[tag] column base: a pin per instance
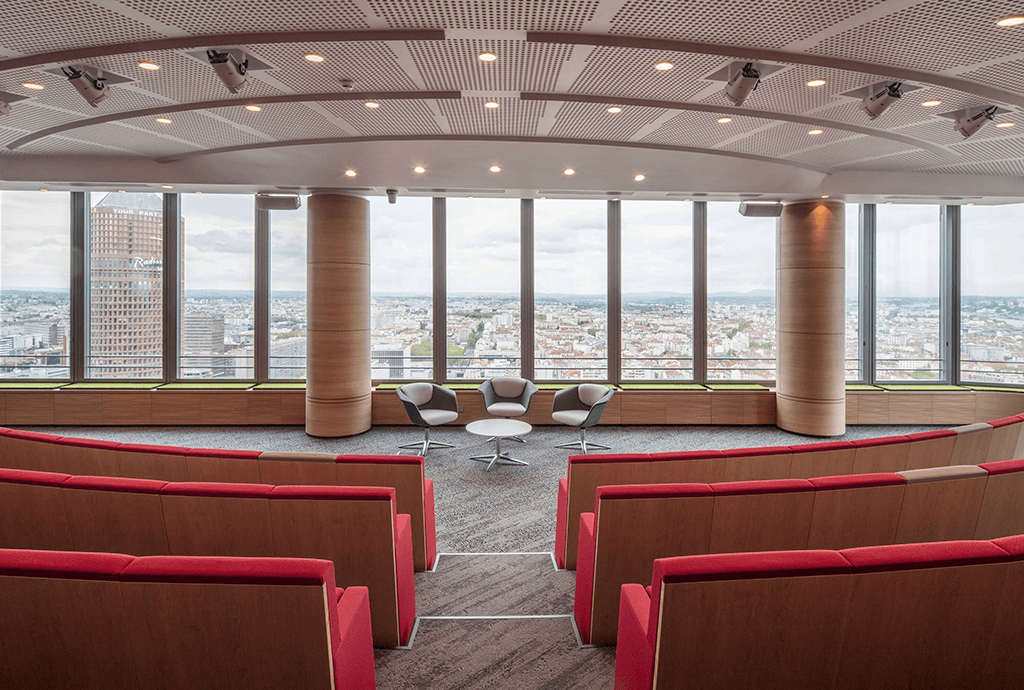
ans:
(333, 418)
(811, 417)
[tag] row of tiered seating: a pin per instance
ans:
(635, 525)
(357, 528)
(104, 621)
(942, 616)
(29, 450)
(974, 444)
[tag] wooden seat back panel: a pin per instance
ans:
(218, 526)
(26, 454)
(228, 470)
(822, 463)
(1002, 507)
(169, 468)
(761, 522)
(33, 517)
(862, 516)
(972, 448)
(751, 467)
(1002, 663)
(931, 452)
(888, 458)
(941, 511)
(1003, 443)
(116, 522)
(287, 472)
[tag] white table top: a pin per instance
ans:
(499, 428)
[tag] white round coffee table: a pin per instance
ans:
(498, 429)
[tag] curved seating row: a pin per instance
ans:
(632, 526)
(942, 616)
(110, 621)
(356, 528)
(29, 450)
(974, 444)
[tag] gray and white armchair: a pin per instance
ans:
(428, 405)
(507, 396)
(581, 406)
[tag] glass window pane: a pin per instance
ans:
(657, 290)
(992, 294)
(35, 276)
(125, 286)
(741, 295)
(401, 288)
(570, 242)
(483, 288)
(852, 292)
(217, 236)
(907, 293)
(287, 354)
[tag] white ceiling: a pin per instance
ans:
(560, 64)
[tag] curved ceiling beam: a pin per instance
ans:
(770, 54)
(477, 137)
(748, 112)
(230, 102)
(220, 41)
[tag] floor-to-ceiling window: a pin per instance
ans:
(907, 334)
(657, 290)
(741, 295)
(401, 305)
(35, 284)
(287, 339)
(992, 294)
(483, 338)
(218, 269)
(570, 241)
(852, 293)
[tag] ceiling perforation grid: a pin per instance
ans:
(630, 73)
(783, 140)
(1013, 168)
(958, 34)
(937, 131)
(733, 22)
(195, 128)
(593, 121)
(514, 118)
(224, 16)
(1008, 75)
(371, 65)
(29, 117)
(837, 152)
(58, 93)
(393, 117)
(894, 162)
(702, 130)
(996, 147)
(65, 147)
(525, 15)
(521, 66)
(38, 26)
(283, 121)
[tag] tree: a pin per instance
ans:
(423, 349)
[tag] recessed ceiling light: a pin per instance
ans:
(419, 169)
(253, 108)
(813, 132)
(313, 57)
(43, 189)
(167, 186)
(32, 85)
(824, 196)
(664, 66)
(931, 104)
(685, 199)
(494, 168)
(488, 56)
(198, 192)
(491, 104)
(816, 82)
(639, 178)
(163, 120)
(614, 109)
(372, 104)
(543, 197)
(615, 198)
(152, 67)
(569, 171)
(888, 203)
(971, 204)
(121, 191)
(1015, 20)
(350, 173)
(723, 120)
(1005, 124)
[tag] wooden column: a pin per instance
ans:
(337, 315)
(810, 281)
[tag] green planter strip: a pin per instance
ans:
(462, 386)
(280, 387)
(204, 386)
(861, 387)
(736, 387)
(123, 386)
(42, 385)
(920, 387)
(662, 387)
(998, 389)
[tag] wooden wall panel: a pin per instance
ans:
(665, 407)
(912, 407)
(941, 510)
(933, 452)
(170, 468)
(76, 407)
(28, 407)
(750, 467)
(33, 517)
(297, 469)
(890, 458)
(872, 407)
(761, 522)
(971, 448)
(178, 408)
(228, 470)
(852, 409)
(848, 518)
(225, 407)
(265, 407)
(1004, 443)
(1002, 508)
(1002, 662)
(823, 463)
(116, 522)
(218, 526)
(127, 408)
(328, 419)
(293, 407)
(743, 407)
(951, 409)
(991, 405)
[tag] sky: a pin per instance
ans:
(569, 240)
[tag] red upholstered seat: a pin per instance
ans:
(880, 441)
(651, 491)
(223, 570)
(742, 566)
(32, 477)
(768, 486)
(1005, 421)
(1004, 466)
(765, 450)
(940, 554)
(89, 443)
(63, 564)
(608, 457)
(677, 455)
(926, 435)
(381, 459)
(1013, 546)
(853, 481)
(336, 492)
(126, 484)
(815, 447)
(218, 453)
(146, 448)
(217, 489)
(32, 436)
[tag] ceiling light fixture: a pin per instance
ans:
(569, 171)
(971, 203)
(229, 69)
(350, 173)
(875, 104)
(121, 191)
(664, 66)
(151, 66)
(742, 84)
(167, 186)
(815, 132)
(91, 87)
(888, 203)
(971, 120)
(198, 192)
(1005, 124)
(372, 104)
(1015, 20)
(816, 82)
(163, 120)
(724, 120)
(494, 168)
(931, 104)
(491, 104)
(313, 57)
(419, 169)
(253, 108)
(824, 196)
(487, 56)
(43, 189)
(614, 109)
(640, 178)
(33, 86)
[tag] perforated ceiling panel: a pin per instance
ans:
(58, 93)
(524, 15)
(593, 121)
(783, 140)
(938, 131)
(65, 146)
(371, 65)
(630, 72)
(958, 33)
(846, 147)
(37, 26)
(904, 159)
(1011, 167)
(733, 22)
(702, 130)
(283, 121)
(223, 16)
(1006, 75)
(521, 66)
(195, 128)
(996, 147)
(513, 118)
(29, 117)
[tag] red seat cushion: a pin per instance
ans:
(880, 441)
(137, 486)
(1003, 466)
(32, 477)
(1005, 421)
(745, 566)
(765, 486)
(815, 447)
(217, 489)
(686, 455)
(223, 453)
(63, 564)
(1012, 545)
(335, 492)
(89, 443)
(926, 435)
(146, 448)
(653, 491)
(870, 559)
(609, 457)
(224, 570)
(854, 481)
(32, 436)
(381, 459)
(766, 450)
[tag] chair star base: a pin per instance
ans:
(583, 446)
(498, 458)
(426, 444)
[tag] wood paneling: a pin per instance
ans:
(25, 454)
(76, 407)
(337, 417)
(889, 458)
(170, 468)
(848, 518)
(178, 408)
(116, 522)
(228, 470)
(912, 407)
(819, 290)
(1004, 443)
(666, 407)
(823, 463)
(941, 511)
(28, 407)
(388, 409)
(265, 407)
(872, 406)
(813, 418)
(971, 448)
(225, 407)
(1002, 508)
(293, 407)
(740, 469)
(344, 221)
(337, 367)
(952, 408)
(341, 281)
(1002, 662)
(932, 452)
(127, 408)
(761, 522)
(297, 469)
(33, 517)
(989, 405)
(743, 407)
(218, 526)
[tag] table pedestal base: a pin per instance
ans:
(498, 458)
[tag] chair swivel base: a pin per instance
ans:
(426, 444)
(498, 458)
(583, 445)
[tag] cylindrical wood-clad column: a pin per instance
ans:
(810, 281)
(337, 315)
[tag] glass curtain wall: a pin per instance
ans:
(570, 242)
(992, 294)
(741, 295)
(852, 299)
(657, 290)
(483, 288)
(401, 303)
(907, 282)
(35, 284)
(287, 346)
(218, 270)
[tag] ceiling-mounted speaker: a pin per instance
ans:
(277, 202)
(752, 210)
